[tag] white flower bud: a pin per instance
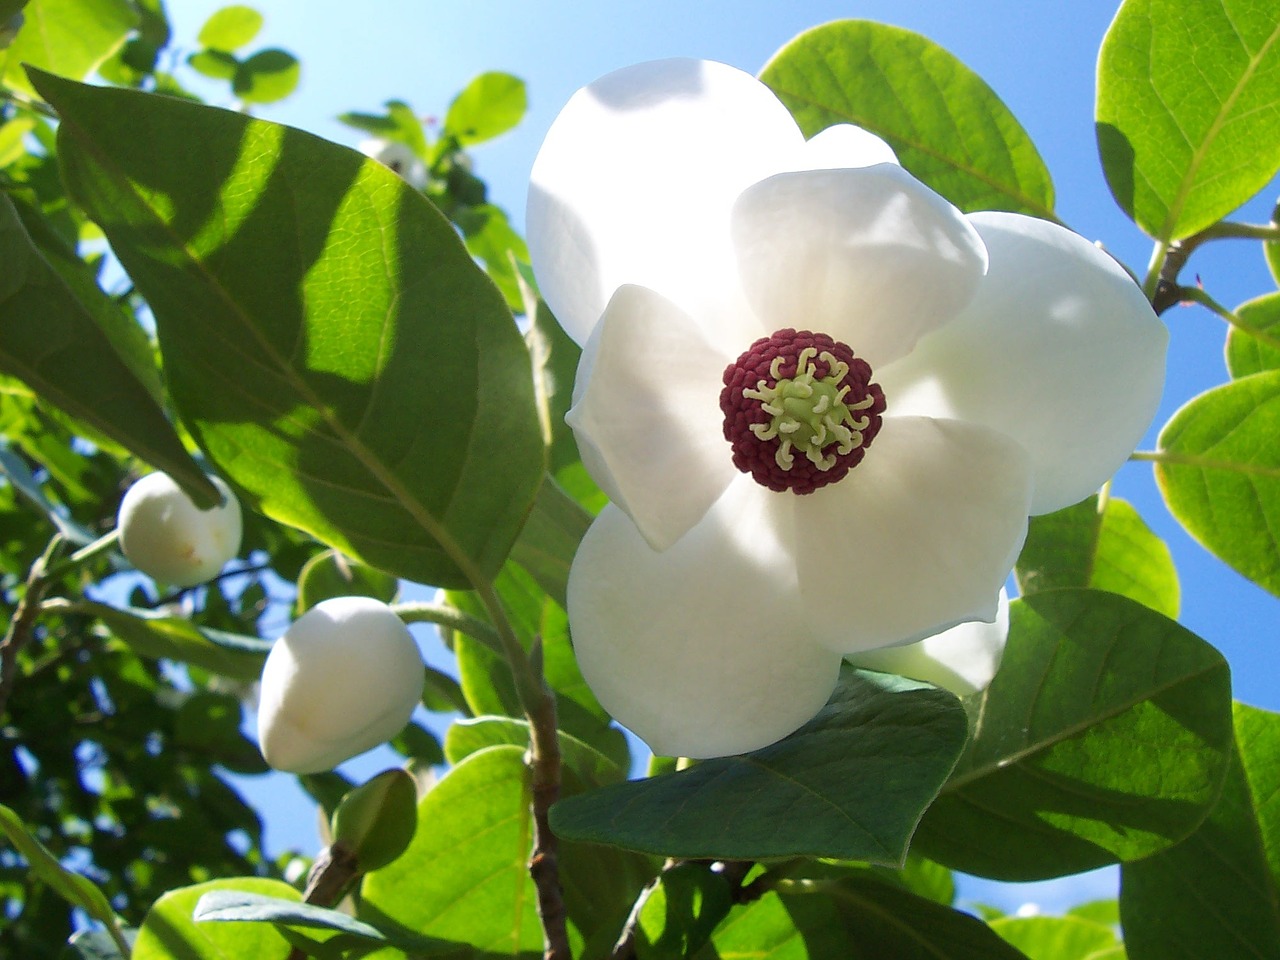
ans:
(399, 157)
(166, 536)
(344, 678)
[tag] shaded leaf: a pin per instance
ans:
(1228, 869)
(1105, 736)
(21, 479)
(680, 911)
(780, 928)
(312, 370)
(377, 819)
(329, 574)
(851, 783)
(267, 76)
(550, 538)
(215, 64)
(947, 126)
(1219, 472)
(1187, 115)
(1111, 549)
(52, 342)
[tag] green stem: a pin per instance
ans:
(1196, 295)
(27, 103)
(446, 616)
(1154, 268)
(23, 622)
(1226, 230)
(86, 553)
(1205, 463)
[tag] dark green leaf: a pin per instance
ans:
(1110, 549)
(267, 76)
(67, 37)
(155, 634)
(947, 126)
(1105, 736)
(1253, 344)
(52, 342)
(550, 538)
(1187, 115)
(851, 783)
(1227, 871)
(1219, 471)
(230, 28)
(329, 574)
(98, 945)
(377, 819)
(418, 744)
(312, 329)
(1054, 938)
(170, 932)
(490, 105)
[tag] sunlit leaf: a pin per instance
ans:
(1054, 938)
(1220, 474)
(318, 372)
(170, 932)
(230, 28)
(1187, 115)
(851, 783)
(67, 37)
(1217, 894)
(947, 126)
(469, 736)
(215, 64)
(1254, 344)
(1105, 736)
(267, 76)
(490, 105)
(1110, 549)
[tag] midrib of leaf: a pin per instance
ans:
(1066, 733)
(1219, 121)
(366, 457)
(850, 116)
(1176, 458)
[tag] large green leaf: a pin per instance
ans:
(780, 928)
(1219, 471)
(851, 783)
(1188, 110)
(948, 127)
(326, 336)
(1217, 894)
(1109, 549)
(51, 340)
(170, 932)
(1253, 344)
(1105, 736)
(67, 37)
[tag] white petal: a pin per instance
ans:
(918, 537)
(843, 145)
(647, 417)
(634, 184)
(1059, 349)
(699, 649)
(870, 256)
(962, 659)
(344, 678)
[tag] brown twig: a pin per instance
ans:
(544, 775)
(332, 873)
(21, 625)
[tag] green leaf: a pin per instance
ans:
(329, 574)
(1229, 869)
(463, 877)
(680, 912)
(21, 479)
(1187, 119)
(851, 783)
(67, 37)
(215, 64)
(169, 931)
(550, 538)
(490, 105)
(71, 887)
(154, 634)
(1105, 736)
(267, 76)
(230, 28)
(314, 312)
(1219, 471)
(52, 342)
(1110, 549)
(98, 945)
(1053, 938)
(469, 736)
(1253, 343)
(780, 928)
(947, 126)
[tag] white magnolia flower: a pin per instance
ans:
(166, 536)
(344, 678)
(951, 375)
(399, 157)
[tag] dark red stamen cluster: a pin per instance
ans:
(758, 457)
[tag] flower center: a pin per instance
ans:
(800, 410)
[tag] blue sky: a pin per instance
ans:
(1038, 56)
